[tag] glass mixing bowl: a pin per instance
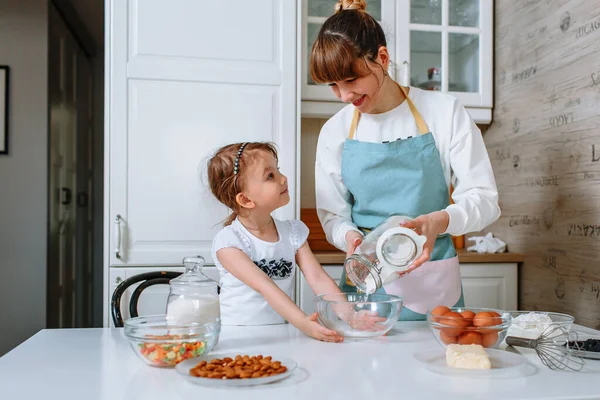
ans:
(531, 324)
(488, 332)
(163, 344)
(358, 315)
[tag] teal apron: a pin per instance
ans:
(404, 177)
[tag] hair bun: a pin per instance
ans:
(342, 5)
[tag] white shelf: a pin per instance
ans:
(326, 109)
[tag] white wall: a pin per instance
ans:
(23, 172)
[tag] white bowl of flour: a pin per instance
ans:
(531, 324)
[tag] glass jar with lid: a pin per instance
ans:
(384, 252)
(194, 297)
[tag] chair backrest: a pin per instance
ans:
(149, 279)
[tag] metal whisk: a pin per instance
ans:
(552, 347)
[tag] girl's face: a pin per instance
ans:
(266, 187)
(363, 91)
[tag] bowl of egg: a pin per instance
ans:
(458, 325)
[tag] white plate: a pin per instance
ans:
(503, 363)
(183, 368)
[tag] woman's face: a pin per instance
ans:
(362, 91)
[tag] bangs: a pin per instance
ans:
(333, 59)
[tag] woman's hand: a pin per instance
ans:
(312, 328)
(353, 240)
(429, 225)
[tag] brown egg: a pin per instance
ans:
(468, 315)
(445, 338)
(485, 318)
(438, 311)
(489, 339)
(470, 338)
(453, 319)
(494, 313)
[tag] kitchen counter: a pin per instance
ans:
(99, 364)
(337, 257)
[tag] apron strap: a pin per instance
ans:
(421, 125)
(423, 129)
(354, 123)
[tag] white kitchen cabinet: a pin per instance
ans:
(451, 39)
(306, 297)
(313, 15)
(153, 300)
(487, 285)
(490, 285)
(444, 45)
(181, 81)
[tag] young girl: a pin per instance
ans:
(256, 254)
(393, 150)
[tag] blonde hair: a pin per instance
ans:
(347, 36)
(360, 5)
(224, 183)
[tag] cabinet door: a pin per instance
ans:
(490, 285)
(307, 297)
(115, 277)
(182, 81)
(448, 46)
(314, 14)
(153, 300)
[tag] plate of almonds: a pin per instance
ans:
(235, 369)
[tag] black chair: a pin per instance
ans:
(150, 279)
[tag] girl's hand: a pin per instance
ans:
(430, 225)
(353, 240)
(317, 331)
(363, 320)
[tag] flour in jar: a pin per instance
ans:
(199, 309)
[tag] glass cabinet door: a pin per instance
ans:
(448, 47)
(314, 14)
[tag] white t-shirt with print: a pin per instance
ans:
(240, 304)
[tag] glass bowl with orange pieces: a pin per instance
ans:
(461, 325)
(161, 344)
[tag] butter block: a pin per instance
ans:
(468, 356)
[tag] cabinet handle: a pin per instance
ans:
(66, 199)
(118, 280)
(82, 199)
(117, 236)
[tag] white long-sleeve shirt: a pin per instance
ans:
(463, 155)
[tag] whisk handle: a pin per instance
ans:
(521, 342)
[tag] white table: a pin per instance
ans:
(99, 364)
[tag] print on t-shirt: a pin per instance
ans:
(275, 269)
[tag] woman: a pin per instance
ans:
(395, 150)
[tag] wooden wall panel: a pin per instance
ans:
(544, 143)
